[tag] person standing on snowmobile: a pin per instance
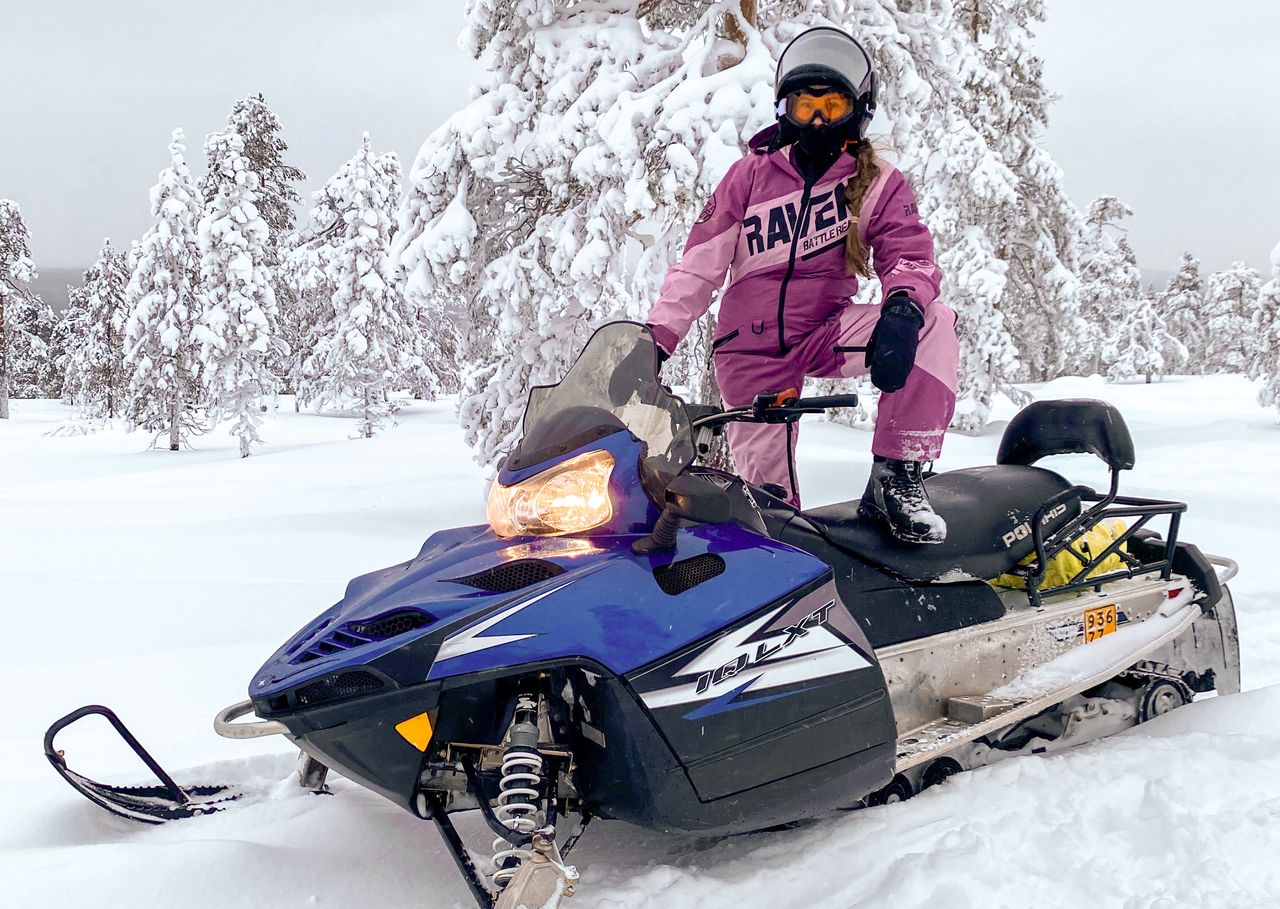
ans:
(792, 223)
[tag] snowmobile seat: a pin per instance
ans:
(1073, 426)
(988, 511)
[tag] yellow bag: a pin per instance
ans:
(1064, 566)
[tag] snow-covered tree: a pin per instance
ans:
(1041, 236)
(32, 373)
(600, 129)
(1181, 307)
(370, 343)
(237, 331)
(1265, 363)
(263, 149)
(95, 369)
(1110, 281)
(16, 271)
(165, 302)
(1141, 343)
(1228, 310)
(257, 125)
(67, 338)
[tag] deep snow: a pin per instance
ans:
(157, 583)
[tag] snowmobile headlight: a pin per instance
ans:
(568, 498)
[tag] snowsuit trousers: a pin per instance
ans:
(910, 422)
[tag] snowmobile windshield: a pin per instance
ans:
(613, 385)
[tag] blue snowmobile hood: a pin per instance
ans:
(590, 598)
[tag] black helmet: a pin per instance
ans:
(827, 54)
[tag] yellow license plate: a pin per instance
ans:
(1099, 621)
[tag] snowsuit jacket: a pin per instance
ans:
(782, 243)
(787, 312)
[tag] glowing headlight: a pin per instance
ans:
(569, 498)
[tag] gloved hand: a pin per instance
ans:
(891, 352)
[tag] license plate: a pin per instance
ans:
(1099, 621)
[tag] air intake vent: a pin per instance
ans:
(391, 625)
(688, 573)
(338, 687)
(357, 634)
(512, 575)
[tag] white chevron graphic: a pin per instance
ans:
(469, 639)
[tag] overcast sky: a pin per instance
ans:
(1171, 105)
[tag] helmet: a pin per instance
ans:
(827, 54)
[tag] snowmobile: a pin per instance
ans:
(635, 636)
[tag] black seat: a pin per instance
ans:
(988, 511)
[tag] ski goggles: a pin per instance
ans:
(801, 107)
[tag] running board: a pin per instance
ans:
(970, 718)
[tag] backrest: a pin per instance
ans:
(1067, 427)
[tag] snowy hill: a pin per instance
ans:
(157, 583)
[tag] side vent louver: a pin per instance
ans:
(338, 687)
(511, 575)
(357, 634)
(688, 573)
(391, 625)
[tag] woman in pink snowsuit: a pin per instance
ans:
(791, 223)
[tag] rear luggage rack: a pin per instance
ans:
(1151, 558)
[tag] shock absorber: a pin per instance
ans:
(517, 803)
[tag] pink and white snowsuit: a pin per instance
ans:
(786, 312)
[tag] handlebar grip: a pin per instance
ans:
(825, 401)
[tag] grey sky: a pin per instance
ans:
(1168, 104)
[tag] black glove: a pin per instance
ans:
(891, 352)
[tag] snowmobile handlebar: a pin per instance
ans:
(776, 407)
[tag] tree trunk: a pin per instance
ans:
(4, 365)
(1148, 378)
(733, 31)
(175, 417)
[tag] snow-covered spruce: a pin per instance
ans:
(94, 373)
(165, 301)
(367, 344)
(593, 140)
(1265, 363)
(1041, 233)
(23, 342)
(1110, 282)
(596, 137)
(237, 332)
(1181, 305)
(1141, 343)
(257, 125)
(1228, 309)
(263, 149)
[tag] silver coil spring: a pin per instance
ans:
(517, 803)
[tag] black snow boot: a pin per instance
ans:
(896, 495)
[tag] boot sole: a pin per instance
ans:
(904, 536)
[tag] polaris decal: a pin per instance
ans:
(1023, 530)
(807, 639)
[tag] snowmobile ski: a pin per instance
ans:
(146, 804)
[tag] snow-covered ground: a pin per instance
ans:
(157, 583)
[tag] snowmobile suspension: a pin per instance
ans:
(518, 788)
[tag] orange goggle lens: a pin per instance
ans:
(802, 106)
